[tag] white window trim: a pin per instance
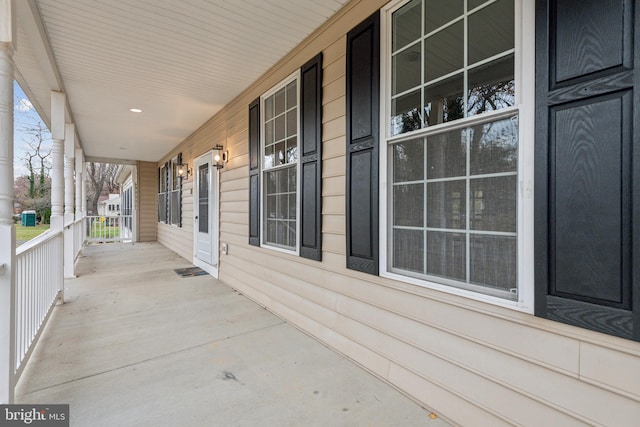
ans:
(162, 178)
(524, 75)
(295, 76)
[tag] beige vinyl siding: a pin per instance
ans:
(473, 363)
(147, 198)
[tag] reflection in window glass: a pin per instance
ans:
(406, 24)
(494, 147)
(404, 67)
(444, 51)
(408, 158)
(447, 154)
(405, 113)
(491, 30)
(491, 87)
(444, 101)
(472, 4)
(453, 85)
(439, 13)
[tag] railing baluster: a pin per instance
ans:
(108, 229)
(38, 277)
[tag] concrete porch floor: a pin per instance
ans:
(136, 345)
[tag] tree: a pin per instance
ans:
(102, 181)
(40, 202)
(37, 157)
(37, 194)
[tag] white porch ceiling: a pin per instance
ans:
(180, 61)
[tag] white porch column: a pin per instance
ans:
(57, 160)
(69, 166)
(69, 193)
(84, 199)
(79, 183)
(84, 190)
(7, 230)
(58, 102)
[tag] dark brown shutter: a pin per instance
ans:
(587, 166)
(311, 159)
(254, 173)
(363, 87)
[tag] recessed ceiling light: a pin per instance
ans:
(135, 110)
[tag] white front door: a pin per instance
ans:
(205, 199)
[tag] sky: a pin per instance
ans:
(25, 116)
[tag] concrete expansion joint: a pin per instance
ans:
(151, 359)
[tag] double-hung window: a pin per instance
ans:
(170, 193)
(452, 121)
(285, 164)
(162, 193)
(279, 125)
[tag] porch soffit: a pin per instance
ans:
(179, 61)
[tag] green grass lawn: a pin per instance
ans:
(28, 233)
(104, 231)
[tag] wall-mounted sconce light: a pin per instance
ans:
(221, 156)
(183, 171)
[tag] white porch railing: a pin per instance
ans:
(78, 237)
(109, 228)
(39, 279)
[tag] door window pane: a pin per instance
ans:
(203, 198)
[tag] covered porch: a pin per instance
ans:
(135, 343)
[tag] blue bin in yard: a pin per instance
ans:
(28, 218)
